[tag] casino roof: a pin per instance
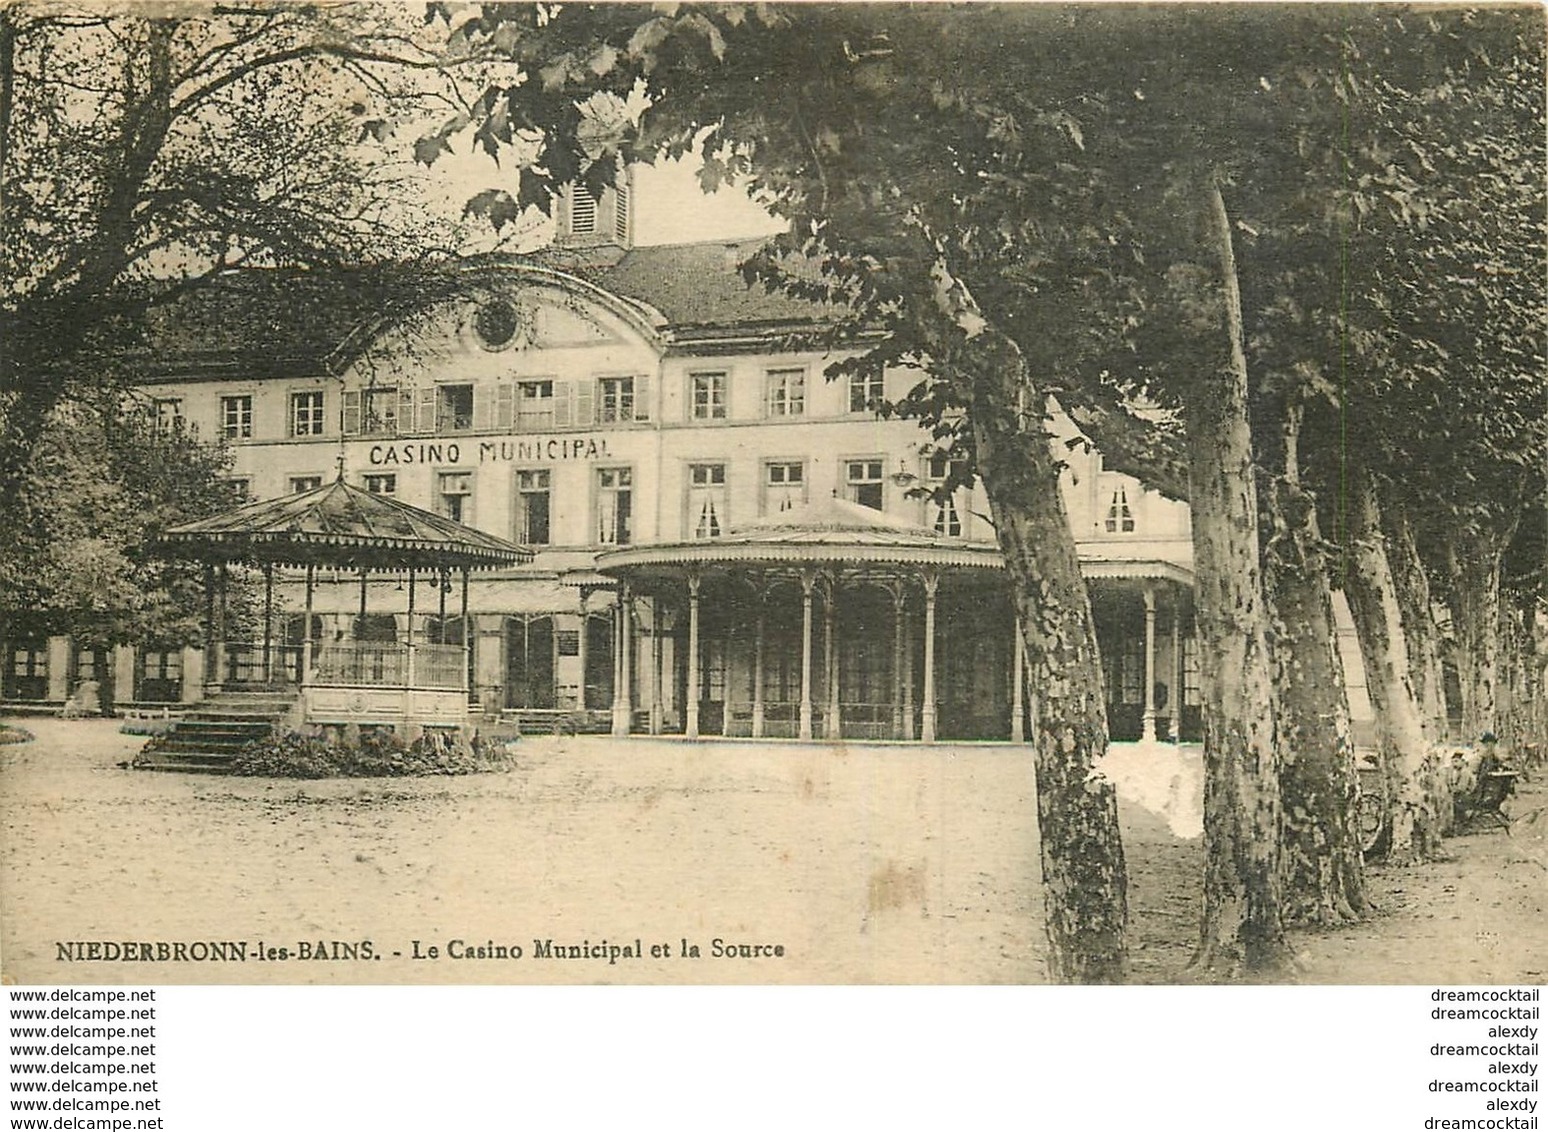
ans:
(266, 322)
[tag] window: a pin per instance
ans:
(614, 506)
(864, 480)
(453, 408)
(384, 483)
(946, 519)
(532, 508)
(371, 412)
(298, 484)
(26, 676)
(707, 500)
(1133, 673)
(455, 495)
(167, 413)
(1120, 520)
(236, 417)
(784, 486)
(535, 405)
(708, 395)
(787, 392)
(158, 675)
(865, 392)
(617, 399)
(306, 414)
(241, 488)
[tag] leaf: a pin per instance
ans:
(377, 128)
(428, 148)
(496, 205)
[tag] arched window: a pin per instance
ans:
(1120, 519)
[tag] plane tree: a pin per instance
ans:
(145, 151)
(955, 183)
(1161, 223)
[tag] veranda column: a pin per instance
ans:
(831, 728)
(805, 731)
(758, 642)
(211, 637)
(306, 632)
(932, 583)
(581, 650)
(360, 622)
(908, 669)
(1018, 683)
(1175, 695)
(268, 623)
(220, 644)
(1148, 720)
(623, 701)
(617, 624)
(657, 712)
(408, 637)
(692, 730)
(467, 636)
(897, 659)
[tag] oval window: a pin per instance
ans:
(497, 323)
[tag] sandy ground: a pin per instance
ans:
(865, 863)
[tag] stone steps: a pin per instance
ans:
(209, 736)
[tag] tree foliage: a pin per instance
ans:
(143, 151)
(81, 557)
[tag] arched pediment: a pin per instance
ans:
(494, 320)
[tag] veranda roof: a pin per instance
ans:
(343, 526)
(825, 532)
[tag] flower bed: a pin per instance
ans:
(377, 754)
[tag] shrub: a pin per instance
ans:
(377, 754)
(10, 734)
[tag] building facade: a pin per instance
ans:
(726, 542)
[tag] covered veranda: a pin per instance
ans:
(340, 535)
(827, 621)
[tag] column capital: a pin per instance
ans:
(931, 580)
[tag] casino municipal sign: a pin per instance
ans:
(529, 449)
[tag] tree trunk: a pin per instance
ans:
(1475, 617)
(1411, 584)
(1085, 884)
(1242, 926)
(1324, 866)
(1409, 770)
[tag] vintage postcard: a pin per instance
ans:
(772, 494)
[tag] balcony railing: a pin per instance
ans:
(389, 665)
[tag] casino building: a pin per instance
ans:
(725, 542)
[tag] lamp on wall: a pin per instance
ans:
(902, 477)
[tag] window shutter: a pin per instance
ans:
(351, 412)
(585, 403)
(642, 398)
(621, 214)
(483, 406)
(424, 419)
(505, 405)
(564, 397)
